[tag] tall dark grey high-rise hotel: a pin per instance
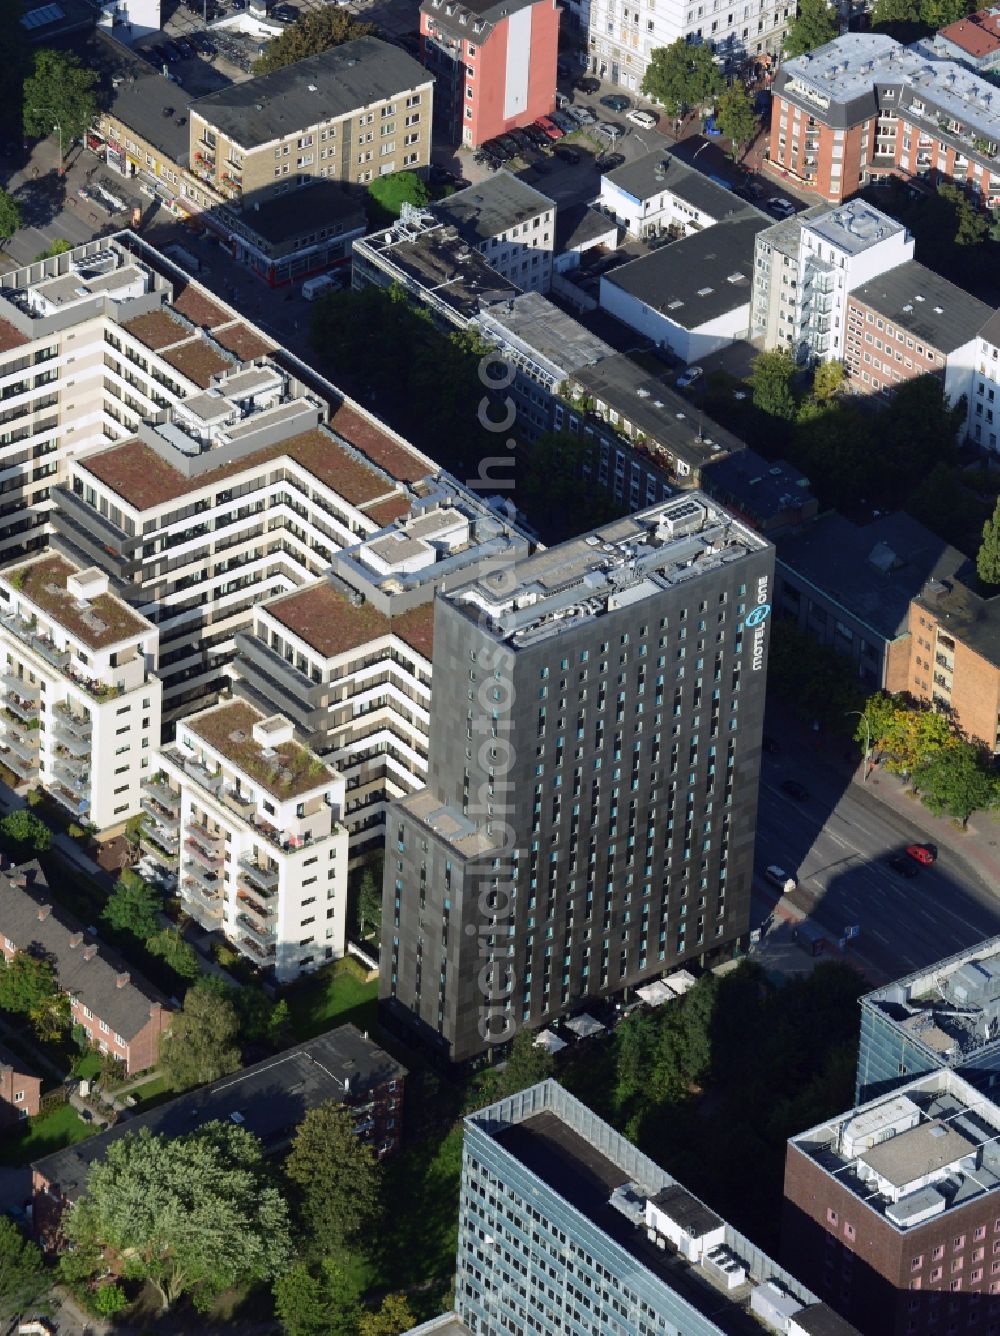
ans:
(588, 820)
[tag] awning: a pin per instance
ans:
(550, 1042)
(680, 981)
(656, 993)
(584, 1027)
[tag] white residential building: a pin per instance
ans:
(81, 714)
(984, 389)
(805, 267)
(658, 193)
(621, 40)
(251, 822)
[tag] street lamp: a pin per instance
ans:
(868, 739)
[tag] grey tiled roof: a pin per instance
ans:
(89, 971)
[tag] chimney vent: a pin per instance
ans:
(76, 940)
(43, 912)
(89, 952)
(122, 979)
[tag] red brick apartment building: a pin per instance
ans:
(955, 656)
(892, 1211)
(863, 108)
(20, 1090)
(494, 63)
(122, 1013)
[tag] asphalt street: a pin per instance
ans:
(836, 844)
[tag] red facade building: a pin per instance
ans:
(494, 64)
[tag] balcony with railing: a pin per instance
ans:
(163, 795)
(208, 881)
(264, 916)
(241, 803)
(205, 903)
(943, 661)
(24, 770)
(23, 742)
(161, 840)
(264, 937)
(27, 633)
(266, 878)
(68, 721)
(210, 859)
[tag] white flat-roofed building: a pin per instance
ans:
(254, 819)
(81, 713)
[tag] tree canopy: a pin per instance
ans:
(556, 485)
(322, 1300)
(133, 907)
(370, 900)
(683, 75)
(336, 1177)
(201, 1044)
(10, 216)
(391, 1319)
(59, 91)
(23, 1278)
(771, 383)
(193, 1215)
(23, 827)
(388, 194)
(314, 33)
(821, 684)
(988, 556)
(526, 1065)
(171, 947)
(736, 118)
(815, 25)
(29, 986)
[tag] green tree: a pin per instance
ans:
(201, 1044)
(988, 556)
(388, 194)
(526, 1064)
(24, 828)
(828, 380)
(279, 1024)
(58, 247)
(391, 1319)
(682, 76)
(879, 724)
(971, 224)
(29, 986)
(555, 485)
(23, 1278)
(736, 118)
(956, 781)
(59, 91)
(192, 1215)
(336, 1177)
(10, 216)
(771, 383)
(109, 1300)
(316, 32)
(133, 907)
(319, 1301)
(171, 947)
(815, 25)
(369, 901)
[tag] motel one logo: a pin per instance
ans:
(756, 619)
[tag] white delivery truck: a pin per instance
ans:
(315, 287)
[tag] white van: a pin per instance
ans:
(315, 287)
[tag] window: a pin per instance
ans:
(832, 1218)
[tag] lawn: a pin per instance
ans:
(333, 996)
(87, 1066)
(47, 1133)
(151, 1093)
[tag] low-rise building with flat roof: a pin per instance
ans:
(955, 658)
(774, 497)
(268, 1099)
(944, 1016)
(692, 297)
(614, 1234)
(81, 695)
(659, 192)
(892, 1209)
(850, 586)
(511, 224)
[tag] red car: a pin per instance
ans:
(549, 128)
(921, 853)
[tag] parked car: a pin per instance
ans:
(610, 130)
(659, 239)
(777, 876)
(583, 116)
(795, 790)
(616, 102)
(549, 128)
(206, 47)
(186, 47)
(903, 867)
(781, 207)
(524, 144)
(567, 154)
(587, 85)
(564, 121)
(508, 144)
(922, 853)
(646, 119)
(286, 13)
(689, 377)
(537, 136)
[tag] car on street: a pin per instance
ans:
(567, 154)
(645, 119)
(587, 85)
(689, 377)
(922, 853)
(780, 207)
(902, 867)
(616, 102)
(549, 128)
(608, 162)
(777, 876)
(795, 790)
